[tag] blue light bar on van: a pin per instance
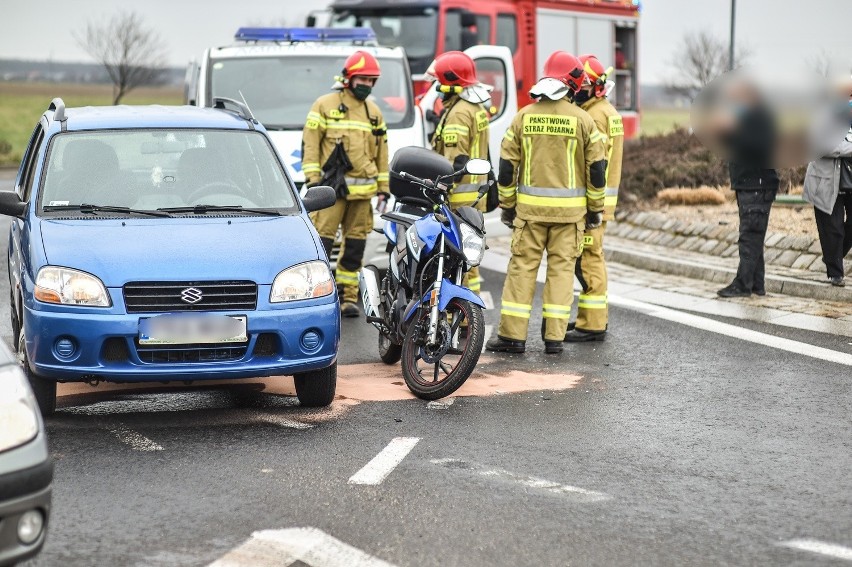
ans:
(305, 34)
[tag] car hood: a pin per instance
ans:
(179, 249)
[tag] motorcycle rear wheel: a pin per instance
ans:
(434, 380)
(389, 352)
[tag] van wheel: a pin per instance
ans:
(43, 388)
(316, 388)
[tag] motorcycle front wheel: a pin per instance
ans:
(436, 371)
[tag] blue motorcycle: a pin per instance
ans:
(424, 315)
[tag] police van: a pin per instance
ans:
(279, 72)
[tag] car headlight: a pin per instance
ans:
(473, 245)
(70, 287)
(311, 279)
(18, 410)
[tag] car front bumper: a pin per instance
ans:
(107, 348)
(20, 492)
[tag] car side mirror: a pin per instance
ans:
(11, 205)
(477, 166)
(319, 197)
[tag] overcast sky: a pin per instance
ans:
(779, 33)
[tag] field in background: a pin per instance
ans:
(656, 121)
(21, 105)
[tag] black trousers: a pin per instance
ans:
(753, 208)
(835, 233)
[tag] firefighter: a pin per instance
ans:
(462, 131)
(347, 118)
(551, 181)
(592, 309)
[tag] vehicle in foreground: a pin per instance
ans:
(168, 244)
(26, 469)
(424, 315)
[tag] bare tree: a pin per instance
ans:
(820, 63)
(700, 58)
(132, 54)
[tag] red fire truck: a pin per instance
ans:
(531, 29)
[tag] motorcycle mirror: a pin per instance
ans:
(477, 166)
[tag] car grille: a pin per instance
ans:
(166, 297)
(215, 352)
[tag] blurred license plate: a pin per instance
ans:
(192, 329)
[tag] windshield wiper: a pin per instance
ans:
(204, 209)
(94, 209)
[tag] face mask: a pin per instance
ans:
(361, 92)
(582, 96)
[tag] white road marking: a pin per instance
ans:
(310, 546)
(821, 547)
(572, 492)
(281, 421)
(497, 262)
(487, 299)
(488, 330)
(441, 404)
(383, 464)
(134, 440)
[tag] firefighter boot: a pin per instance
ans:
(501, 344)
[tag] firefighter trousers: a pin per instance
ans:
(563, 243)
(355, 220)
(592, 309)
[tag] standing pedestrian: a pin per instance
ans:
(346, 121)
(592, 308)
(828, 186)
(551, 179)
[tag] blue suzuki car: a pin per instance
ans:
(166, 243)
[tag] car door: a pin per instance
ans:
(494, 67)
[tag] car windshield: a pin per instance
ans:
(414, 29)
(281, 90)
(159, 168)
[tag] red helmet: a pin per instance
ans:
(456, 69)
(361, 64)
(564, 67)
(594, 73)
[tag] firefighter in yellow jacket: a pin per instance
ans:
(462, 131)
(346, 117)
(551, 182)
(592, 309)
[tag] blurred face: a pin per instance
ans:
(367, 81)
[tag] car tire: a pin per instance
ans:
(316, 388)
(43, 388)
(13, 317)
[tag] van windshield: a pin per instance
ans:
(150, 169)
(281, 90)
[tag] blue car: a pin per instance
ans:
(166, 243)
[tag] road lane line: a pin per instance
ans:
(487, 299)
(571, 492)
(441, 404)
(488, 330)
(497, 262)
(821, 547)
(383, 464)
(310, 546)
(134, 440)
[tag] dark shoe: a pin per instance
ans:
(758, 291)
(733, 290)
(837, 281)
(553, 347)
(505, 345)
(581, 336)
(349, 309)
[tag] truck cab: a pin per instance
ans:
(280, 72)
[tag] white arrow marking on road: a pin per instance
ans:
(136, 441)
(573, 492)
(383, 464)
(440, 404)
(311, 546)
(816, 546)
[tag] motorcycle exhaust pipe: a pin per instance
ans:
(368, 287)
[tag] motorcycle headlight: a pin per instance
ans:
(65, 286)
(18, 409)
(473, 245)
(311, 279)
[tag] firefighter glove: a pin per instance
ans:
(594, 220)
(507, 216)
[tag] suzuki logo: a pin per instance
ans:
(191, 295)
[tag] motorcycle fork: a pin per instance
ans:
(432, 334)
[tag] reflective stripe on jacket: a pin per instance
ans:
(609, 123)
(551, 146)
(364, 140)
(463, 130)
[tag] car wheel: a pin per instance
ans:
(13, 316)
(316, 388)
(43, 388)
